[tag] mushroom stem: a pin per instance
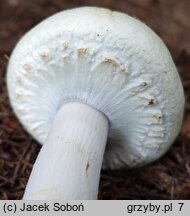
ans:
(69, 163)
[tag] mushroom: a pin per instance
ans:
(99, 89)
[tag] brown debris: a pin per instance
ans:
(169, 177)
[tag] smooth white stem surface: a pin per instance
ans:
(69, 163)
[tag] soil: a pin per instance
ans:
(167, 178)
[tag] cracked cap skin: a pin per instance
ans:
(110, 61)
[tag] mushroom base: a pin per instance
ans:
(69, 163)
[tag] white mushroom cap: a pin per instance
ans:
(111, 62)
